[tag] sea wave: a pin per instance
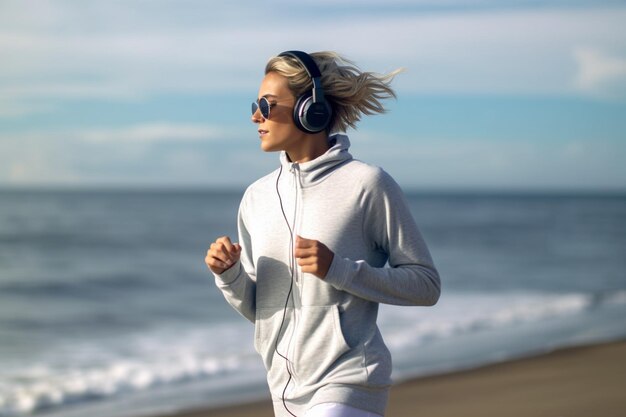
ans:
(62, 287)
(43, 387)
(462, 313)
(96, 371)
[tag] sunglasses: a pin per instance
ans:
(264, 106)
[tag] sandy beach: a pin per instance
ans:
(574, 382)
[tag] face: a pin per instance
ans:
(279, 132)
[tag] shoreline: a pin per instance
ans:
(573, 381)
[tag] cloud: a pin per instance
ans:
(126, 51)
(33, 164)
(434, 163)
(145, 133)
(600, 73)
(150, 153)
(151, 159)
(11, 109)
(64, 56)
(155, 132)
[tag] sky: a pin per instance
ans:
(496, 94)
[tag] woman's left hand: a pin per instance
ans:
(313, 256)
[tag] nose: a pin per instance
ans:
(257, 117)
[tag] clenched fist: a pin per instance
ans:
(313, 256)
(222, 255)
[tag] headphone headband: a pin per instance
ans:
(312, 70)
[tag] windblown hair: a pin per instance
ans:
(349, 91)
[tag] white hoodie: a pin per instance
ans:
(318, 338)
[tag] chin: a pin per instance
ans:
(267, 147)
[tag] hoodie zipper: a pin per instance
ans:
(295, 170)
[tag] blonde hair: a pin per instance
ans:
(349, 91)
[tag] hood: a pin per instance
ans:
(312, 172)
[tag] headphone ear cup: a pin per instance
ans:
(298, 110)
(311, 117)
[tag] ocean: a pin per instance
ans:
(108, 310)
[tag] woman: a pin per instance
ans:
(314, 237)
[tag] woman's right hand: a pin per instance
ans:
(222, 255)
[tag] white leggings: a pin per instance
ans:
(338, 410)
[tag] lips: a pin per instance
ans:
(262, 132)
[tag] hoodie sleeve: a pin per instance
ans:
(238, 283)
(411, 278)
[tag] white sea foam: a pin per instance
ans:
(458, 314)
(54, 388)
(137, 364)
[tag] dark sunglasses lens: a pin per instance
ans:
(264, 106)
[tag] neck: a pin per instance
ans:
(310, 147)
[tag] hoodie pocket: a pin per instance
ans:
(319, 344)
(313, 341)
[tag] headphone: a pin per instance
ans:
(312, 113)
